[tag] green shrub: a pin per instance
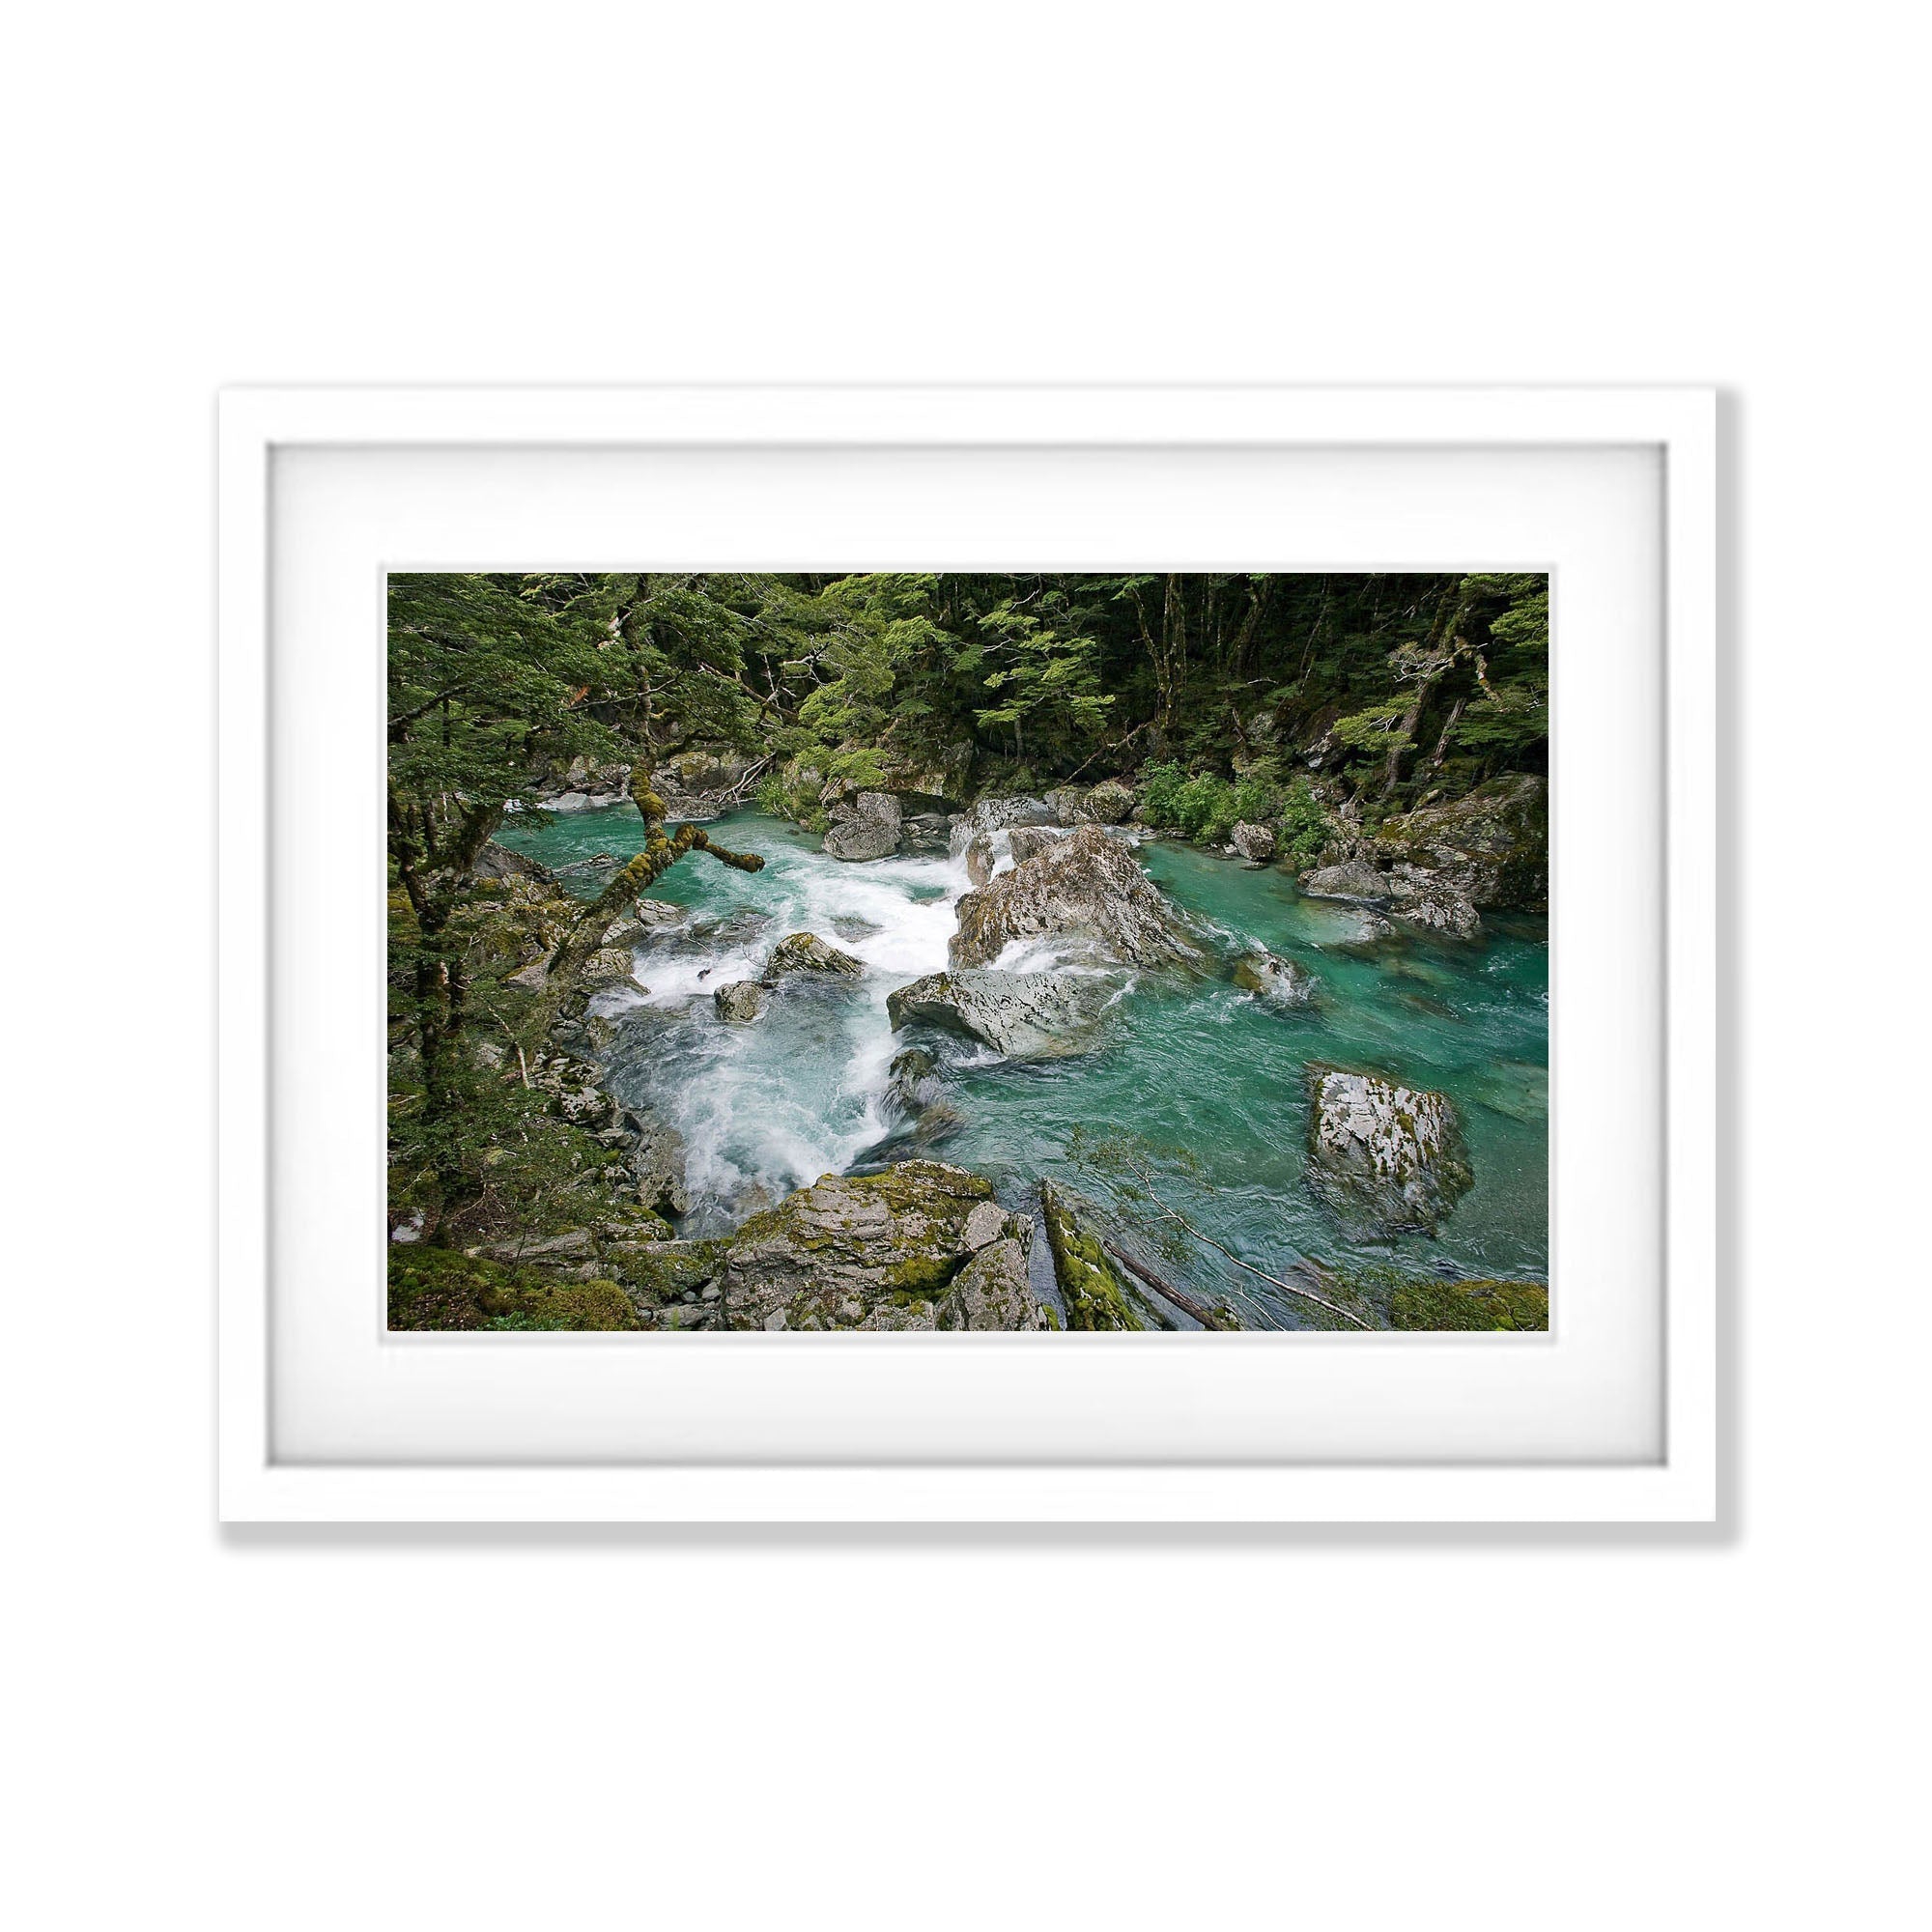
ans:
(1305, 824)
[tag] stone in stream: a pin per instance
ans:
(1254, 842)
(1086, 887)
(998, 814)
(1111, 802)
(864, 827)
(611, 966)
(1024, 1015)
(807, 953)
(1353, 879)
(740, 1003)
(1384, 1158)
(1271, 978)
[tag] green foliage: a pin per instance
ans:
(437, 1287)
(1305, 826)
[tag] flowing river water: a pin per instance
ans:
(1193, 1064)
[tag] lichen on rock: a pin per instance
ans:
(1384, 1156)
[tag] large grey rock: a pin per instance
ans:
(1024, 1015)
(999, 815)
(1384, 1158)
(926, 833)
(657, 1161)
(740, 1003)
(659, 914)
(499, 862)
(864, 827)
(883, 1251)
(1352, 879)
(1110, 802)
(1068, 804)
(1269, 976)
(1029, 841)
(807, 953)
(1432, 903)
(981, 858)
(609, 967)
(993, 1289)
(1254, 842)
(1491, 847)
(1087, 888)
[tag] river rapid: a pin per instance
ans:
(1190, 1065)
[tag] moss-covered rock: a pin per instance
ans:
(1470, 1304)
(439, 1288)
(1096, 1294)
(871, 1251)
(1383, 1157)
(1491, 847)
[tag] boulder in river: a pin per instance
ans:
(1086, 887)
(1352, 879)
(1110, 802)
(740, 1003)
(1384, 1156)
(1435, 904)
(864, 826)
(608, 967)
(999, 815)
(807, 953)
(1269, 976)
(1254, 842)
(1097, 1296)
(1024, 1015)
(1068, 804)
(1029, 841)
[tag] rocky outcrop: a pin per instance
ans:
(740, 1003)
(864, 827)
(1433, 904)
(1087, 888)
(1254, 842)
(1024, 1015)
(922, 1246)
(1029, 841)
(999, 815)
(1352, 879)
(1491, 846)
(499, 862)
(807, 953)
(655, 1160)
(609, 968)
(1269, 976)
(1386, 1158)
(1111, 803)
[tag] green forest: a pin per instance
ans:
(1386, 733)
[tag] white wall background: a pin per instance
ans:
(596, 1729)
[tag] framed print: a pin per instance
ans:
(968, 955)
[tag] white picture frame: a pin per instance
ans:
(488, 435)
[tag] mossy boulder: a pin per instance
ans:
(807, 953)
(1491, 847)
(1096, 1294)
(879, 1251)
(1470, 1304)
(439, 1288)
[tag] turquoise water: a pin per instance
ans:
(1192, 1065)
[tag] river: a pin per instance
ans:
(1196, 1066)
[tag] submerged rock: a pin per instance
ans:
(1387, 1158)
(1271, 978)
(1024, 1015)
(807, 953)
(739, 1003)
(864, 827)
(1085, 886)
(1254, 842)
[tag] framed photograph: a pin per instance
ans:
(961, 955)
